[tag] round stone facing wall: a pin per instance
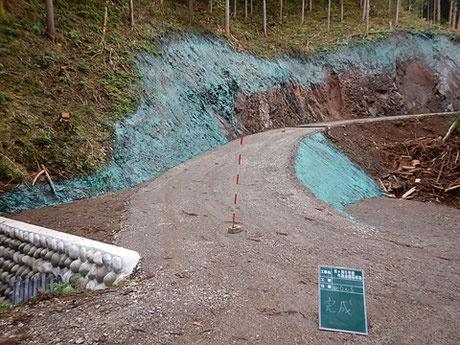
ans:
(28, 250)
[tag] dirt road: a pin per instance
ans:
(201, 285)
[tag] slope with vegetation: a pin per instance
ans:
(59, 100)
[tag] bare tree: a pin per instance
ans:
(303, 12)
(328, 15)
(265, 16)
(191, 17)
(311, 6)
(50, 28)
(398, 3)
(131, 13)
(234, 9)
(227, 16)
(210, 6)
(451, 12)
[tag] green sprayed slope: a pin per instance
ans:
(330, 175)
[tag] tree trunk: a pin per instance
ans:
(2, 9)
(454, 17)
(303, 12)
(310, 8)
(389, 6)
(398, 2)
(409, 5)
(50, 28)
(210, 6)
(364, 11)
(245, 10)
(252, 8)
(368, 9)
(104, 27)
(458, 21)
(131, 13)
(341, 10)
(191, 16)
(428, 10)
(227, 16)
(451, 12)
(328, 15)
(234, 9)
(265, 16)
(435, 10)
(438, 18)
(281, 10)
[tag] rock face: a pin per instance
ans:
(27, 251)
(411, 88)
(200, 93)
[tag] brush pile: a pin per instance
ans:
(426, 168)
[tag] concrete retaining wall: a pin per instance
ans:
(27, 250)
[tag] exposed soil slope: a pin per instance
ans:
(382, 150)
(411, 88)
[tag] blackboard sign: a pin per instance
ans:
(342, 304)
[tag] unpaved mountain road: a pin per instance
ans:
(260, 286)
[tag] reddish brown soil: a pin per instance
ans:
(364, 144)
(412, 88)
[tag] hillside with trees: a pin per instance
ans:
(67, 68)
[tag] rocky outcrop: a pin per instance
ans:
(411, 88)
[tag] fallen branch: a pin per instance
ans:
(408, 193)
(450, 130)
(452, 188)
(37, 176)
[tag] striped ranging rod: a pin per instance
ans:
(236, 228)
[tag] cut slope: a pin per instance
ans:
(187, 104)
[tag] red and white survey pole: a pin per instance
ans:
(236, 228)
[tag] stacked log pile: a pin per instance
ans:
(428, 168)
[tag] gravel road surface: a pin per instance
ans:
(202, 285)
